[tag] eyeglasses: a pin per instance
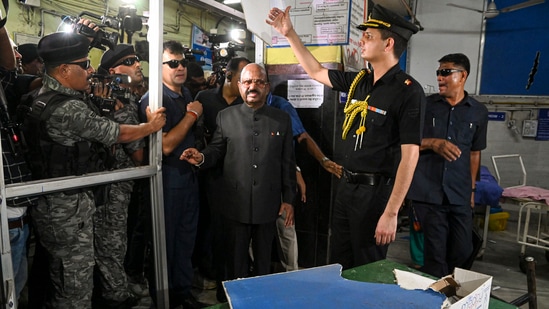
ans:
(173, 64)
(259, 82)
(128, 61)
(83, 64)
(446, 72)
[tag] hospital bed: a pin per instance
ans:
(533, 203)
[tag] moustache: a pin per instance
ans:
(252, 91)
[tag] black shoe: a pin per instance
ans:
(220, 295)
(191, 303)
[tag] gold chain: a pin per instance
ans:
(353, 107)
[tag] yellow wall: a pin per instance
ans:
(324, 54)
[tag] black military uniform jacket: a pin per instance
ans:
(395, 117)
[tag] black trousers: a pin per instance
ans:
(447, 234)
(357, 209)
(238, 238)
(139, 230)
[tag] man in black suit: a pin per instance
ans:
(255, 141)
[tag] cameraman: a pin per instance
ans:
(64, 220)
(110, 219)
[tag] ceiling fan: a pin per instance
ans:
(492, 11)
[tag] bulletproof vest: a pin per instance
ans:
(49, 159)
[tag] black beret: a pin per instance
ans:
(28, 51)
(63, 47)
(383, 18)
(112, 56)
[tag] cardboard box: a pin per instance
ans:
(473, 292)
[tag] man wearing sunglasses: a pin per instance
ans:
(123, 60)
(72, 139)
(180, 183)
(110, 219)
(380, 138)
(442, 191)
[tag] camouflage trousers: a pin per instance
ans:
(110, 222)
(64, 224)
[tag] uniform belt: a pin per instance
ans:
(17, 223)
(370, 179)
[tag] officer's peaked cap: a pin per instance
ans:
(383, 18)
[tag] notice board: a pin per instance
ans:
(317, 22)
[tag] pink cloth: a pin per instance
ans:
(535, 193)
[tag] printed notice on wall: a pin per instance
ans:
(305, 93)
(317, 22)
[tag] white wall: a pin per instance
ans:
(447, 30)
(502, 140)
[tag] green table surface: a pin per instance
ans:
(382, 272)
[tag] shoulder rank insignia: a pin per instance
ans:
(408, 82)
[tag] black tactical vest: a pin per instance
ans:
(48, 159)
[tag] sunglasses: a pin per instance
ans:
(128, 61)
(259, 82)
(446, 72)
(83, 64)
(173, 64)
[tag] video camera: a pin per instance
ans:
(101, 38)
(113, 82)
(222, 53)
(224, 47)
(190, 54)
(127, 21)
